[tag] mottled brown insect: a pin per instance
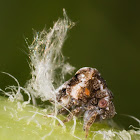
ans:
(86, 94)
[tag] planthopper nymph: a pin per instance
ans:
(86, 94)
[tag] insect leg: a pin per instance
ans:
(74, 112)
(64, 109)
(89, 118)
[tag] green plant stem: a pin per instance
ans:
(29, 122)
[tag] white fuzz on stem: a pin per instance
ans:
(48, 66)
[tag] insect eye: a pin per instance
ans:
(102, 103)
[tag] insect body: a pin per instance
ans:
(86, 94)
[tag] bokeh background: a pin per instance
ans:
(106, 36)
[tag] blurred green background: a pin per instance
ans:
(106, 36)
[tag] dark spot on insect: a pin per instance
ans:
(100, 94)
(96, 85)
(73, 81)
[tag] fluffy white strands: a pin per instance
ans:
(48, 66)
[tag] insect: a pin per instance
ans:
(87, 94)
